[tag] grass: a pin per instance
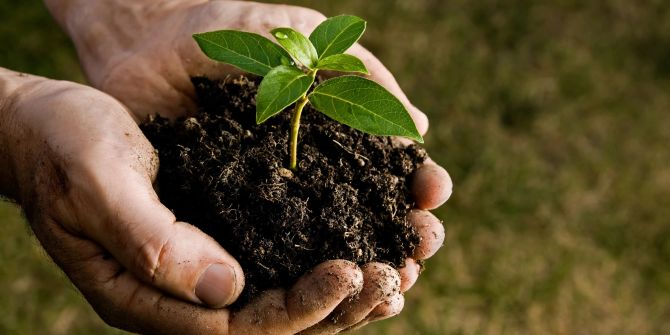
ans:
(553, 119)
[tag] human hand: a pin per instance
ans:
(83, 172)
(144, 56)
(142, 51)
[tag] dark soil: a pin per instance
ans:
(224, 174)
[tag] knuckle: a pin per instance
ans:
(150, 257)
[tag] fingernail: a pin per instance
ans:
(216, 287)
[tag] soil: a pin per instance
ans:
(226, 175)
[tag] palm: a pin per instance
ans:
(154, 76)
(152, 72)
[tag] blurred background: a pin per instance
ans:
(553, 118)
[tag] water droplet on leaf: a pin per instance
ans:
(281, 35)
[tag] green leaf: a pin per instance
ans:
(337, 34)
(282, 86)
(365, 105)
(342, 63)
(297, 45)
(247, 51)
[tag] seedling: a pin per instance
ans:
(290, 68)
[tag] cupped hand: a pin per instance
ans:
(83, 173)
(146, 58)
(146, 61)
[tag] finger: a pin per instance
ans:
(384, 311)
(311, 299)
(431, 186)
(316, 295)
(382, 282)
(119, 298)
(409, 274)
(431, 231)
(387, 309)
(380, 74)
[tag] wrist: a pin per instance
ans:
(11, 134)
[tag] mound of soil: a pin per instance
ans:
(226, 175)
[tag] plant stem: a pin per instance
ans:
(295, 125)
(295, 128)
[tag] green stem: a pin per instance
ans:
(295, 128)
(295, 125)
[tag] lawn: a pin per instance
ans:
(553, 119)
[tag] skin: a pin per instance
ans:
(75, 159)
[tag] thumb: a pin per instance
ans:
(143, 235)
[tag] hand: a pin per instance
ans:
(142, 51)
(147, 60)
(82, 170)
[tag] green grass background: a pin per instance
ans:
(553, 118)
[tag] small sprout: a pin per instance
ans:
(290, 68)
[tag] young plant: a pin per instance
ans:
(290, 68)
